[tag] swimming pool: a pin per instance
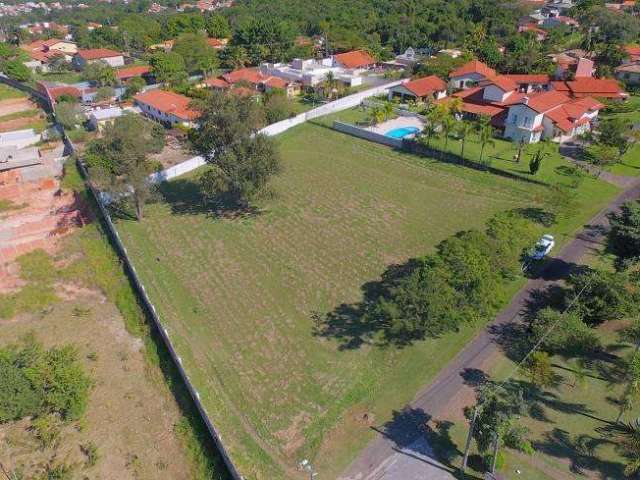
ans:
(402, 132)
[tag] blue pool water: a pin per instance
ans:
(402, 132)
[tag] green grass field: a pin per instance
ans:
(7, 92)
(240, 296)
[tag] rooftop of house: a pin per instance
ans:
(168, 102)
(593, 87)
(130, 72)
(633, 67)
(421, 87)
(504, 83)
(251, 75)
(474, 66)
(107, 113)
(528, 78)
(217, 42)
(355, 59)
(98, 53)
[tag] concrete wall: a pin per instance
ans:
(177, 170)
(368, 135)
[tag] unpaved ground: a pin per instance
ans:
(130, 416)
(14, 105)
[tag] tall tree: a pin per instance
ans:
(119, 161)
(168, 68)
(198, 55)
(242, 160)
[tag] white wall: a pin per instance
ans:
(494, 94)
(464, 80)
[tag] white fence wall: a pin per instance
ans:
(177, 170)
(368, 134)
(276, 128)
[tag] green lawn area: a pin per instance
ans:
(240, 296)
(630, 164)
(7, 92)
(61, 77)
(23, 114)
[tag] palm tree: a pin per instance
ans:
(580, 372)
(376, 116)
(628, 438)
(463, 130)
(486, 138)
(388, 110)
(432, 125)
(330, 84)
(448, 123)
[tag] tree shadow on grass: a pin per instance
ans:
(353, 325)
(412, 435)
(185, 197)
(537, 215)
(580, 451)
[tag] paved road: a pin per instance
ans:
(402, 452)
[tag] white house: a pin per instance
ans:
(99, 118)
(84, 57)
(550, 115)
(423, 89)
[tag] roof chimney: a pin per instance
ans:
(525, 100)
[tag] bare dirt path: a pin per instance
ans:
(404, 454)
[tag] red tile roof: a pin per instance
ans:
(275, 82)
(478, 109)
(584, 68)
(216, 82)
(355, 59)
(633, 51)
(57, 92)
(217, 43)
(532, 27)
(543, 102)
(243, 92)
(592, 87)
(130, 72)
(168, 102)
(421, 87)
(251, 75)
(504, 83)
(473, 66)
(97, 53)
(525, 78)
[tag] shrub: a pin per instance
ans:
(570, 335)
(90, 450)
(47, 429)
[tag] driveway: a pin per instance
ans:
(388, 458)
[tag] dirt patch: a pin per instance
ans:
(15, 105)
(130, 418)
(293, 436)
(174, 152)
(19, 123)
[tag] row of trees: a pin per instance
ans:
(567, 329)
(462, 282)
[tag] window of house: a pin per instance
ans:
(515, 118)
(527, 122)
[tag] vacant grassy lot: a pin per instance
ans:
(240, 297)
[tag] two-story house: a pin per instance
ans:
(169, 108)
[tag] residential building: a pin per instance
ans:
(422, 89)
(551, 115)
(127, 73)
(407, 59)
(84, 57)
(629, 73)
(533, 28)
(470, 74)
(43, 52)
(354, 60)
(19, 138)
(608, 88)
(169, 108)
(528, 83)
(217, 43)
(633, 51)
(100, 118)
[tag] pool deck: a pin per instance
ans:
(399, 122)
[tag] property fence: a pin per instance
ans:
(177, 170)
(284, 125)
(368, 134)
(38, 96)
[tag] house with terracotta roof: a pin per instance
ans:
(312, 72)
(43, 52)
(553, 115)
(422, 89)
(470, 74)
(528, 83)
(168, 108)
(84, 57)
(629, 73)
(607, 88)
(573, 63)
(217, 43)
(127, 73)
(354, 60)
(633, 51)
(533, 28)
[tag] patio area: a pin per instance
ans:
(399, 127)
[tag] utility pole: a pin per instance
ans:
(469, 437)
